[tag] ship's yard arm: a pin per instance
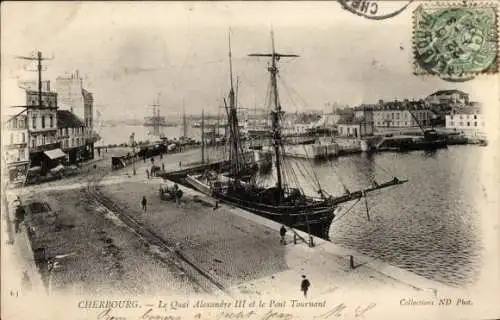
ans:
(361, 193)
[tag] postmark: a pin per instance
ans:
(375, 9)
(455, 41)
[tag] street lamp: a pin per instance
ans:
(132, 142)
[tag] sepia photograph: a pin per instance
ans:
(250, 160)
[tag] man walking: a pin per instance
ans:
(304, 286)
(144, 203)
(282, 234)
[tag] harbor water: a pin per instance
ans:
(430, 225)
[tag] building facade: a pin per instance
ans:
(361, 124)
(402, 114)
(75, 98)
(467, 120)
(15, 144)
(42, 123)
(71, 134)
(448, 97)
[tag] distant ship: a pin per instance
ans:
(155, 121)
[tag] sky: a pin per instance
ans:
(130, 53)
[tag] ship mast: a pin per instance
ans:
(232, 118)
(276, 112)
(184, 122)
(202, 136)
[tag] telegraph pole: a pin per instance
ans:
(39, 58)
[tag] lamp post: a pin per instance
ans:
(132, 142)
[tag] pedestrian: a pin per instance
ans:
(19, 218)
(17, 202)
(304, 285)
(26, 282)
(162, 166)
(282, 234)
(147, 173)
(144, 203)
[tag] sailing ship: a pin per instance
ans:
(287, 205)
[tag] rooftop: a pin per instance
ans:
(67, 119)
(466, 110)
(446, 92)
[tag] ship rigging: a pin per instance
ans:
(286, 204)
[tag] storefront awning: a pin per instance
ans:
(55, 154)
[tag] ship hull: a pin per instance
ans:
(314, 219)
(410, 144)
(424, 145)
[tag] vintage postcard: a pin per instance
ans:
(250, 160)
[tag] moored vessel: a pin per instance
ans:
(285, 201)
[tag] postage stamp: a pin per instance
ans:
(455, 41)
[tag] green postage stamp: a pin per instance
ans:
(456, 41)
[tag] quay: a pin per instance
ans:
(236, 249)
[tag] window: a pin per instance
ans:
(475, 124)
(475, 116)
(72, 142)
(43, 139)
(24, 137)
(34, 121)
(451, 117)
(33, 143)
(66, 131)
(451, 123)
(51, 122)
(11, 138)
(468, 124)
(43, 122)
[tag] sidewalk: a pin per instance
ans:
(17, 258)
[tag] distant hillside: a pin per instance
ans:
(128, 122)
